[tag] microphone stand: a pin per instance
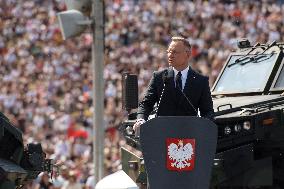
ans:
(158, 105)
(179, 88)
(165, 80)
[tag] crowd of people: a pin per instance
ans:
(46, 83)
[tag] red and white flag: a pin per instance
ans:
(180, 154)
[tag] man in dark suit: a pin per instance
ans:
(184, 90)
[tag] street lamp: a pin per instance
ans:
(73, 22)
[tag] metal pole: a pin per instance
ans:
(98, 86)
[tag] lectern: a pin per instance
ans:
(178, 151)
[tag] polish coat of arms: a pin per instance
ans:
(180, 154)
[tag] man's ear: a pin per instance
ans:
(188, 54)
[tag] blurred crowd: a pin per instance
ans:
(46, 83)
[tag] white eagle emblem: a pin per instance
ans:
(180, 154)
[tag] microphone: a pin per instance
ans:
(179, 88)
(165, 81)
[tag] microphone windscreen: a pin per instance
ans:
(165, 76)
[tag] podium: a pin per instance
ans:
(178, 151)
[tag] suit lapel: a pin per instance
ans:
(189, 86)
(189, 81)
(171, 85)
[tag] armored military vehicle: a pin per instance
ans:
(19, 164)
(248, 104)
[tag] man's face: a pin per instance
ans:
(178, 55)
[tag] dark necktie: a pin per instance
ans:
(178, 81)
(178, 86)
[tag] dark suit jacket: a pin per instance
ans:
(196, 89)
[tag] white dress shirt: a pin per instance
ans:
(183, 75)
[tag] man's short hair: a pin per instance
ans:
(185, 41)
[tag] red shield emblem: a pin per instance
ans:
(180, 154)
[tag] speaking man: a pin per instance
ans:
(178, 90)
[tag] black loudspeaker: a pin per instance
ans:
(129, 91)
